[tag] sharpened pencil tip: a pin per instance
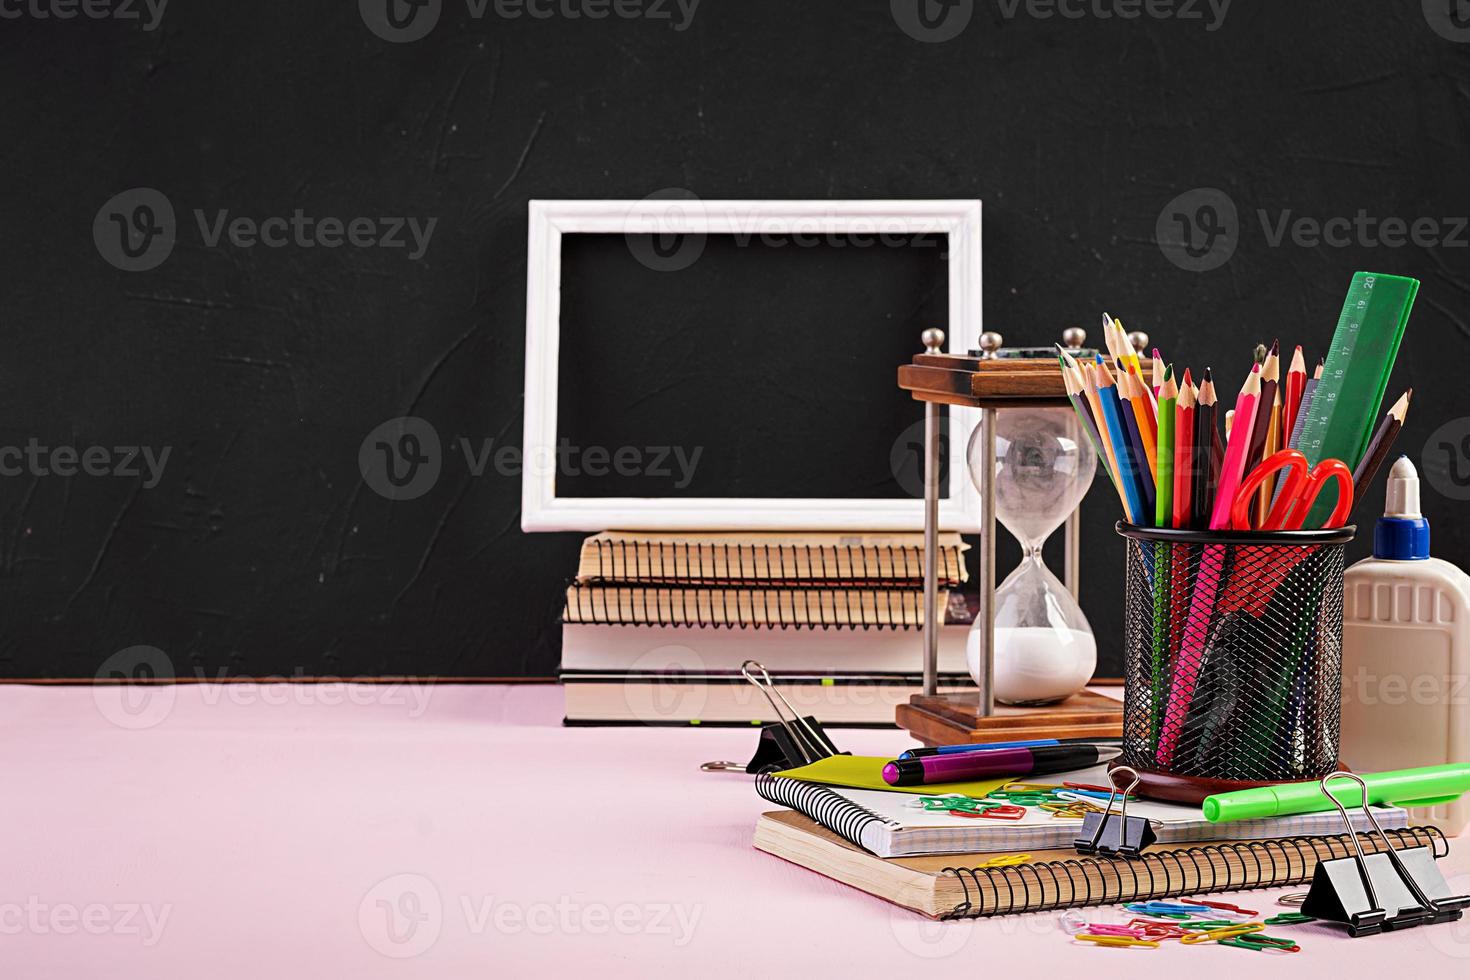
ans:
(1208, 377)
(1276, 347)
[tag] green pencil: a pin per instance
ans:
(1164, 497)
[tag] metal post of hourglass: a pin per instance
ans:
(990, 342)
(933, 344)
(1074, 338)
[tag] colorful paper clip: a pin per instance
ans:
(1072, 922)
(1261, 943)
(1289, 919)
(1198, 925)
(1215, 935)
(1170, 909)
(1113, 929)
(1006, 861)
(1121, 941)
(1222, 907)
(1153, 929)
(1004, 811)
(1104, 790)
(1021, 798)
(953, 801)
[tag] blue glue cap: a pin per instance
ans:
(1402, 533)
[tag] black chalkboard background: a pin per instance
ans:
(260, 549)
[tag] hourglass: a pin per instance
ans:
(1042, 465)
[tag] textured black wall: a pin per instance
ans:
(261, 370)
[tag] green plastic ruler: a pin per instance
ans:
(1350, 394)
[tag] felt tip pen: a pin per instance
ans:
(988, 746)
(1425, 786)
(961, 766)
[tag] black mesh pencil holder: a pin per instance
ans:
(1232, 658)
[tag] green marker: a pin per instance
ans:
(1426, 786)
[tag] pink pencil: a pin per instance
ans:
(1212, 561)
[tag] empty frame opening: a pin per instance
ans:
(755, 366)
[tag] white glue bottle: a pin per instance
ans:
(1406, 652)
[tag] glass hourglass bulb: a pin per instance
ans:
(1044, 648)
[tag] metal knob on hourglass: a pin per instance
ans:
(1044, 648)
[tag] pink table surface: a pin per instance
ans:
(378, 831)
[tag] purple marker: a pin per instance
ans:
(961, 766)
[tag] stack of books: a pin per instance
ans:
(943, 866)
(657, 626)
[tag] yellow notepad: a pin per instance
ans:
(866, 772)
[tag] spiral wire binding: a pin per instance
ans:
(1149, 877)
(669, 583)
(732, 607)
(688, 563)
(838, 814)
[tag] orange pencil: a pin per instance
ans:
(1184, 452)
(1273, 443)
(1135, 393)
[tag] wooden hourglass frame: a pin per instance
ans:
(991, 382)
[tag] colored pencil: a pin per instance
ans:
(1133, 390)
(1270, 380)
(1083, 405)
(1136, 449)
(1073, 384)
(1202, 500)
(1127, 473)
(1089, 391)
(1184, 453)
(1237, 450)
(1207, 580)
(1273, 443)
(1121, 349)
(1309, 392)
(1296, 383)
(1164, 475)
(1379, 445)
(1159, 372)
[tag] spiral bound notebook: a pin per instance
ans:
(957, 886)
(765, 558)
(650, 605)
(883, 823)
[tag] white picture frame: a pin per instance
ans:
(543, 510)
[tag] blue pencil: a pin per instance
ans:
(1107, 395)
(1140, 462)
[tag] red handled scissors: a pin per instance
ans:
(1299, 490)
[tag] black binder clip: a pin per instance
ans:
(1388, 890)
(1112, 834)
(783, 744)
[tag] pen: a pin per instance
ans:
(1001, 762)
(989, 746)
